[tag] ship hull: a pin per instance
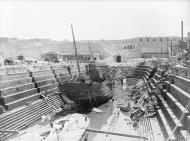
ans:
(87, 95)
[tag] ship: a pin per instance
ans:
(88, 89)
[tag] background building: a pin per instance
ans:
(57, 56)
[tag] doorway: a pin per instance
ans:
(118, 59)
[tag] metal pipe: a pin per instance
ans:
(117, 134)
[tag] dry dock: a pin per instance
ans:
(114, 120)
(22, 106)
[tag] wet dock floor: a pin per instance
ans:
(113, 120)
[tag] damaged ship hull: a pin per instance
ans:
(87, 95)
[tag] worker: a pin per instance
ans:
(124, 83)
(69, 70)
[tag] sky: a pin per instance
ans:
(93, 20)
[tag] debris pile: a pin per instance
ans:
(141, 103)
(117, 73)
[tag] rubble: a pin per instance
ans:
(140, 103)
(116, 74)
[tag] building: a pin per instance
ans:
(57, 56)
(149, 47)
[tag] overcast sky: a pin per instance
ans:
(93, 19)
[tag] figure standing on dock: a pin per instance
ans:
(69, 70)
(124, 83)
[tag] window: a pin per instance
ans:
(140, 40)
(161, 39)
(147, 39)
(125, 47)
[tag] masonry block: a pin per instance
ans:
(16, 82)
(183, 83)
(16, 89)
(13, 76)
(20, 102)
(46, 82)
(182, 96)
(16, 96)
(42, 72)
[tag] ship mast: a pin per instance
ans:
(91, 52)
(76, 55)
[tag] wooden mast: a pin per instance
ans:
(91, 52)
(77, 63)
(76, 55)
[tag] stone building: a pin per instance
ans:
(148, 47)
(58, 56)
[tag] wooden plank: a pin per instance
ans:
(117, 134)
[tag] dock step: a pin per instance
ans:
(182, 83)
(61, 71)
(43, 77)
(21, 118)
(165, 126)
(46, 82)
(13, 76)
(16, 82)
(182, 96)
(16, 89)
(42, 72)
(48, 87)
(177, 108)
(184, 136)
(187, 124)
(16, 96)
(170, 116)
(22, 101)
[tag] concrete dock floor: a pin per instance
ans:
(114, 120)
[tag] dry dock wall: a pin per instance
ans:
(21, 104)
(174, 101)
(19, 85)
